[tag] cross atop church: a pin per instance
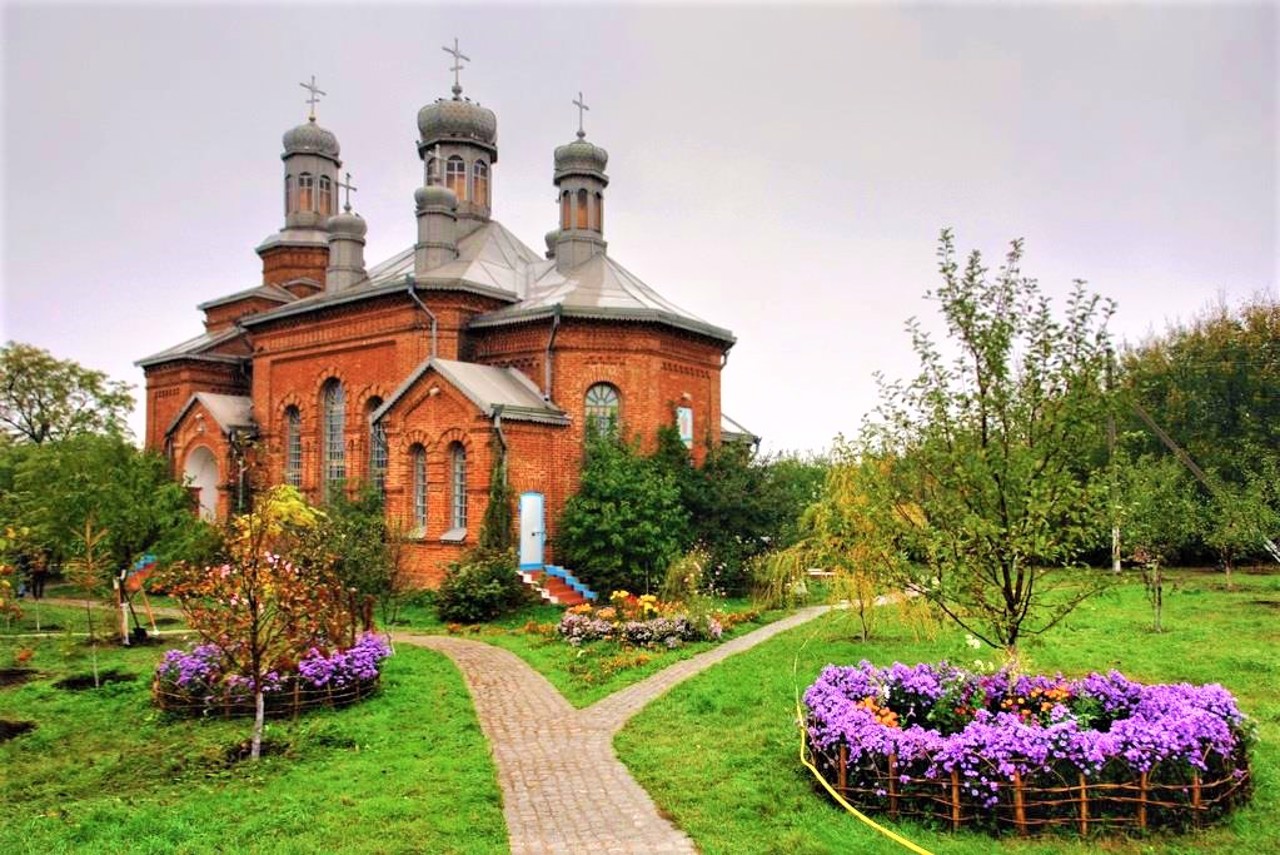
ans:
(581, 108)
(348, 187)
(456, 68)
(316, 92)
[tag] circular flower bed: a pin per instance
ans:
(1028, 753)
(198, 682)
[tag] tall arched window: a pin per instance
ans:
(601, 408)
(377, 448)
(599, 212)
(333, 440)
(418, 479)
(306, 187)
(293, 447)
(458, 486)
(288, 194)
(326, 195)
(480, 183)
(582, 220)
(564, 210)
(455, 177)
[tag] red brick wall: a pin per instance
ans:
(170, 386)
(283, 263)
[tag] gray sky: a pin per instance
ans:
(780, 171)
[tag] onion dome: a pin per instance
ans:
(347, 225)
(581, 158)
(552, 237)
(435, 196)
(458, 119)
(310, 138)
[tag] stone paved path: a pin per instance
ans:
(564, 791)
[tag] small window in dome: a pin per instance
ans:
(599, 213)
(480, 183)
(455, 177)
(306, 188)
(564, 210)
(288, 194)
(326, 195)
(583, 199)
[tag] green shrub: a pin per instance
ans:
(482, 586)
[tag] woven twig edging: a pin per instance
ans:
(289, 701)
(1115, 799)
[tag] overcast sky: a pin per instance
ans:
(780, 171)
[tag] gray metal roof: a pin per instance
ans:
(732, 431)
(196, 348)
(490, 257)
(494, 390)
(229, 411)
(598, 288)
(268, 292)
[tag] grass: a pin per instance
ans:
(583, 674)
(719, 752)
(104, 772)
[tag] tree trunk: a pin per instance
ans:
(259, 720)
(1157, 599)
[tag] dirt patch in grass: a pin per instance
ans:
(1274, 604)
(10, 729)
(80, 682)
(15, 676)
(241, 751)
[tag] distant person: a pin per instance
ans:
(23, 566)
(39, 573)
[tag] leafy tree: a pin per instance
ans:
(626, 522)
(260, 609)
(1160, 513)
(995, 447)
(54, 488)
(496, 529)
(46, 399)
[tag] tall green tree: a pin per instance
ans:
(996, 446)
(626, 522)
(46, 399)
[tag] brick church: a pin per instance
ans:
(411, 374)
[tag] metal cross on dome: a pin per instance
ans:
(348, 187)
(316, 92)
(458, 59)
(581, 108)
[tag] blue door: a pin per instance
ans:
(533, 533)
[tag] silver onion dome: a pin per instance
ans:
(310, 138)
(458, 119)
(581, 158)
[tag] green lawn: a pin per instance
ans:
(719, 753)
(407, 771)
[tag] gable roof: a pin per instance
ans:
(732, 431)
(267, 292)
(496, 391)
(229, 411)
(196, 348)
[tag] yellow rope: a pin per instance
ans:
(892, 835)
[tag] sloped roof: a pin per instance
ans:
(268, 292)
(732, 431)
(598, 288)
(229, 411)
(490, 257)
(196, 348)
(494, 390)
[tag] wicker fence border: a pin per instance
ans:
(1117, 800)
(295, 698)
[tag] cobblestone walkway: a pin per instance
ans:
(564, 791)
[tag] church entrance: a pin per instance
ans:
(201, 475)
(533, 533)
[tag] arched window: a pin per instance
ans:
(377, 448)
(599, 212)
(455, 177)
(418, 478)
(288, 194)
(583, 196)
(306, 187)
(293, 447)
(601, 409)
(333, 441)
(564, 210)
(480, 183)
(458, 486)
(433, 171)
(326, 195)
